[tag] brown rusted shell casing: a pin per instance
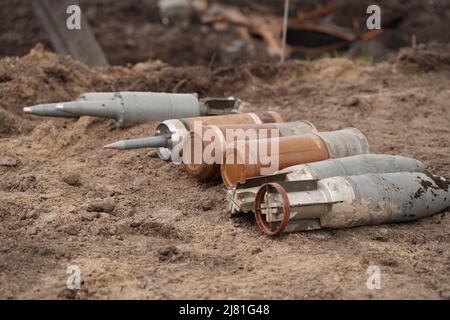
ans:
(292, 150)
(205, 171)
(240, 118)
(200, 171)
(264, 120)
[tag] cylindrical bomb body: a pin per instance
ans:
(219, 136)
(241, 198)
(128, 108)
(341, 202)
(291, 151)
(176, 129)
(352, 166)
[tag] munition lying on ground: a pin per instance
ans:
(242, 197)
(219, 136)
(170, 134)
(341, 202)
(129, 108)
(52, 109)
(289, 151)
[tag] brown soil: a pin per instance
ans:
(169, 236)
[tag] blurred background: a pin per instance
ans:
(214, 32)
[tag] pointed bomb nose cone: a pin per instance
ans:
(48, 110)
(99, 108)
(151, 142)
(119, 145)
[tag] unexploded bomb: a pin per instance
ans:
(341, 202)
(291, 151)
(241, 198)
(129, 108)
(221, 135)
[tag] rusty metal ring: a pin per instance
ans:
(262, 224)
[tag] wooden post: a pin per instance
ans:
(80, 44)
(285, 26)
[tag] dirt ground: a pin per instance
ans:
(170, 237)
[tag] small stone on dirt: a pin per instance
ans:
(135, 224)
(256, 251)
(32, 231)
(90, 216)
(72, 230)
(32, 214)
(8, 161)
(106, 205)
(168, 252)
(140, 183)
(72, 178)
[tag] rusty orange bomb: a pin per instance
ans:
(221, 135)
(242, 162)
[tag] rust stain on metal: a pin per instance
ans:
(419, 193)
(442, 184)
